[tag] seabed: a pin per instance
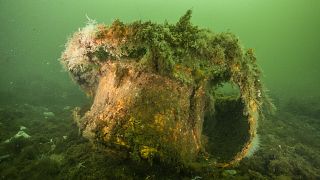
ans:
(289, 148)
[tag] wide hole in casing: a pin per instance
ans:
(227, 129)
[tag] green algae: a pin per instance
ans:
(180, 51)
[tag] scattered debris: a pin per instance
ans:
(80, 165)
(20, 134)
(53, 145)
(67, 108)
(57, 158)
(3, 157)
(229, 172)
(196, 178)
(48, 114)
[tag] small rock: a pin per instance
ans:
(65, 137)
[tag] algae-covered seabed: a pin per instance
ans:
(33, 84)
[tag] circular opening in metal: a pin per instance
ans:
(227, 129)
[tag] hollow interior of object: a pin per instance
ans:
(227, 129)
(228, 89)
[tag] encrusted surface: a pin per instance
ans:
(157, 81)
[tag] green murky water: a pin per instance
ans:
(284, 34)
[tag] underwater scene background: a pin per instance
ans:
(37, 95)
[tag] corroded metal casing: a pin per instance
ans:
(155, 91)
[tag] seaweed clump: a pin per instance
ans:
(155, 84)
